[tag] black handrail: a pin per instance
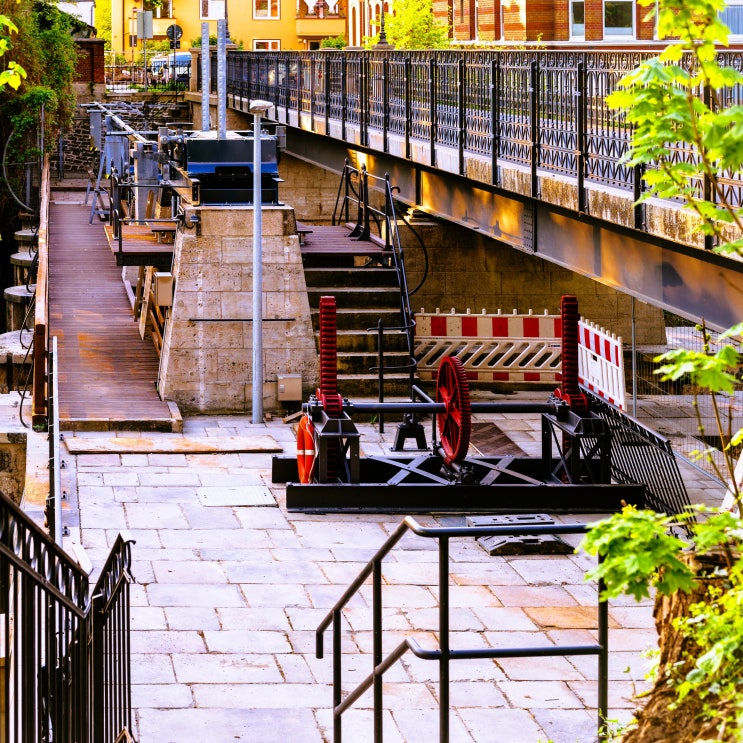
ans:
(353, 196)
(444, 653)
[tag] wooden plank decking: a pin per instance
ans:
(141, 245)
(107, 373)
(334, 240)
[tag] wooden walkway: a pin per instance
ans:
(107, 373)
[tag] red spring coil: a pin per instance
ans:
(328, 347)
(570, 318)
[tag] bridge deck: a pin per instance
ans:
(107, 373)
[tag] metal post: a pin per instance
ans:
(257, 273)
(205, 78)
(221, 80)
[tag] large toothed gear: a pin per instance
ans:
(455, 424)
(570, 391)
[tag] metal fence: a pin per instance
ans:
(65, 657)
(680, 411)
(536, 109)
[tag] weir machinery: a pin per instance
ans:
(573, 474)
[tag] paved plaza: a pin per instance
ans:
(230, 589)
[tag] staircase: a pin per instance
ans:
(358, 259)
(366, 291)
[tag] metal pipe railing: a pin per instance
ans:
(444, 654)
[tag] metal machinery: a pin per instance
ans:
(219, 170)
(573, 473)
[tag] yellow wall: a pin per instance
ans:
(242, 26)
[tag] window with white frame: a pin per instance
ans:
(732, 17)
(266, 45)
(212, 10)
(266, 9)
(619, 18)
(577, 19)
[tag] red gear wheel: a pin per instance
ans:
(455, 425)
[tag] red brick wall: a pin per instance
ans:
(540, 20)
(90, 60)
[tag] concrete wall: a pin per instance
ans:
(206, 361)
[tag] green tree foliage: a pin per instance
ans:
(414, 26)
(103, 21)
(335, 42)
(679, 98)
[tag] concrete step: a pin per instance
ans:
(361, 319)
(365, 343)
(357, 297)
(362, 363)
(367, 385)
(362, 276)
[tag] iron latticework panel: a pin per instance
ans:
(641, 456)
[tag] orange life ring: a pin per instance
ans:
(305, 449)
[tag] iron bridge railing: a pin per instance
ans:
(65, 666)
(532, 109)
(444, 654)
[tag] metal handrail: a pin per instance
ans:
(353, 195)
(444, 653)
(54, 499)
(533, 108)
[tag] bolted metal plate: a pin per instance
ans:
(511, 519)
(542, 544)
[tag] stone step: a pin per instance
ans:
(351, 277)
(363, 342)
(367, 385)
(356, 297)
(362, 363)
(361, 319)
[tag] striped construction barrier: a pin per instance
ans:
(601, 363)
(524, 348)
(492, 347)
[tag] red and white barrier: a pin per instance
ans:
(519, 348)
(601, 363)
(492, 347)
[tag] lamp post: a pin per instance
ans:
(258, 109)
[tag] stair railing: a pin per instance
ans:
(444, 654)
(66, 668)
(353, 195)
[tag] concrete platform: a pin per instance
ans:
(230, 588)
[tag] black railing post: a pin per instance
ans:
(603, 658)
(494, 118)
(380, 369)
(707, 191)
(364, 102)
(385, 102)
(432, 109)
(337, 670)
(444, 639)
(461, 113)
(408, 112)
(638, 209)
(344, 97)
(327, 94)
(377, 649)
(97, 676)
(580, 133)
(313, 73)
(534, 125)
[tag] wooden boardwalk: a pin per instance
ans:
(107, 373)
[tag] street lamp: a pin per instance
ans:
(258, 109)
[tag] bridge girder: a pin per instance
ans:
(687, 281)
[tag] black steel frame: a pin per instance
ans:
(444, 654)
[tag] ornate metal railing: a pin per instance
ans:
(65, 656)
(541, 110)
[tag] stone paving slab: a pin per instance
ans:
(231, 589)
(170, 444)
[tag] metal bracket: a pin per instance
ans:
(539, 544)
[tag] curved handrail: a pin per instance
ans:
(444, 653)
